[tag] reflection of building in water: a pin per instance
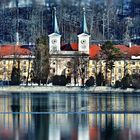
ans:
(76, 103)
(82, 103)
(113, 103)
(59, 103)
(83, 127)
(92, 126)
(71, 126)
(15, 104)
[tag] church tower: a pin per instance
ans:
(54, 37)
(83, 37)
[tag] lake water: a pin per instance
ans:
(69, 116)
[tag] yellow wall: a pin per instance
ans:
(6, 68)
(131, 67)
(94, 67)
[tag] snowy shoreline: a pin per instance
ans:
(64, 89)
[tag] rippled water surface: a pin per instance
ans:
(69, 116)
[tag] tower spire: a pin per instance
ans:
(54, 37)
(84, 23)
(83, 37)
(55, 23)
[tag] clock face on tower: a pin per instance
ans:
(54, 41)
(83, 41)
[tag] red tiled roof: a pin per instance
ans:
(94, 51)
(123, 48)
(70, 47)
(127, 51)
(135, 51)
(6, 50)
(74, 46)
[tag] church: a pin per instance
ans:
(68, 60)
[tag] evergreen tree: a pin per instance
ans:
(15, 76)
(99, 79)
(109, 54)
(41, 62)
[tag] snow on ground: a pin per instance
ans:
(63, 89)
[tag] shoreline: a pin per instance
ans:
(64, 89)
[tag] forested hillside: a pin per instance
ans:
(116, 20)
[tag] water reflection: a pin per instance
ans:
(69, 117)
(66, 103)
(71, 127)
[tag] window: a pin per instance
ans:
(120, 77)
(14, 62)
(134, 70)
(53, 70)
(133, 62)
(24, 62)
(119, 70)
(93, 70)
(112, 78)
(4, 69)
(24, 69)
(119, 62)
(113, 70)
(93, 62)
(4, 62)
(126, 63)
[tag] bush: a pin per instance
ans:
(117, 84)
(59, 80)
(136, 84)
(136, 81)
(126, 82)
(90, 82)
